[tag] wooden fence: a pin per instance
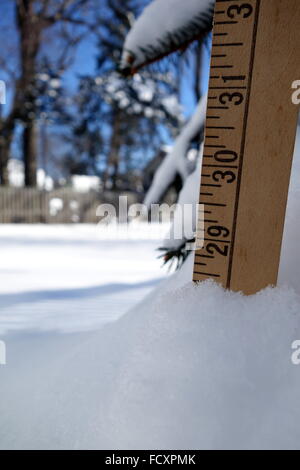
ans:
(59, 206)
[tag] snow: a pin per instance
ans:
(55, 83)
(85, 183)
(190, 367)
(73, 278)
(156, 25)
(143, 94)
(172, 105)
(15, 172)
(186, 213)
(56, 204)
(43, 76)
(176, 160)
(16, 175)
(44, 181)
(2, 92)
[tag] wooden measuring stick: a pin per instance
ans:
(250, 136)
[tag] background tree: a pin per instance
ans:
(33, 20)
(131, 118)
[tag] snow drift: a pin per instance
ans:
(192, 367)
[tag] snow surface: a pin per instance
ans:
(192, 366)
(73, 278)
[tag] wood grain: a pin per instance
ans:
(250, 135)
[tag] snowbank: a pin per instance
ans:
(211, 370)
(192, 367)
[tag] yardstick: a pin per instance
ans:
(249, 142)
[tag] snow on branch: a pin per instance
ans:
(176, 162)
(164, 27)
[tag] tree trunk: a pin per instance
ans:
(4, 155)
(29, 152)
(30, 37)
(113, 160)
(6, 135)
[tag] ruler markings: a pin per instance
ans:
(207, 274)
(212, 185)
(226, 128)
(222, 66)
(228, 88)
(234, 77)
(228, 44)
(221, 166)
(218, 107)
(214, 204)
(217, 241)
(225, 22)
(215, 146)
(242, 151)
(224, 169)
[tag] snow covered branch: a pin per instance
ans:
(158, 33)
(176, 162)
